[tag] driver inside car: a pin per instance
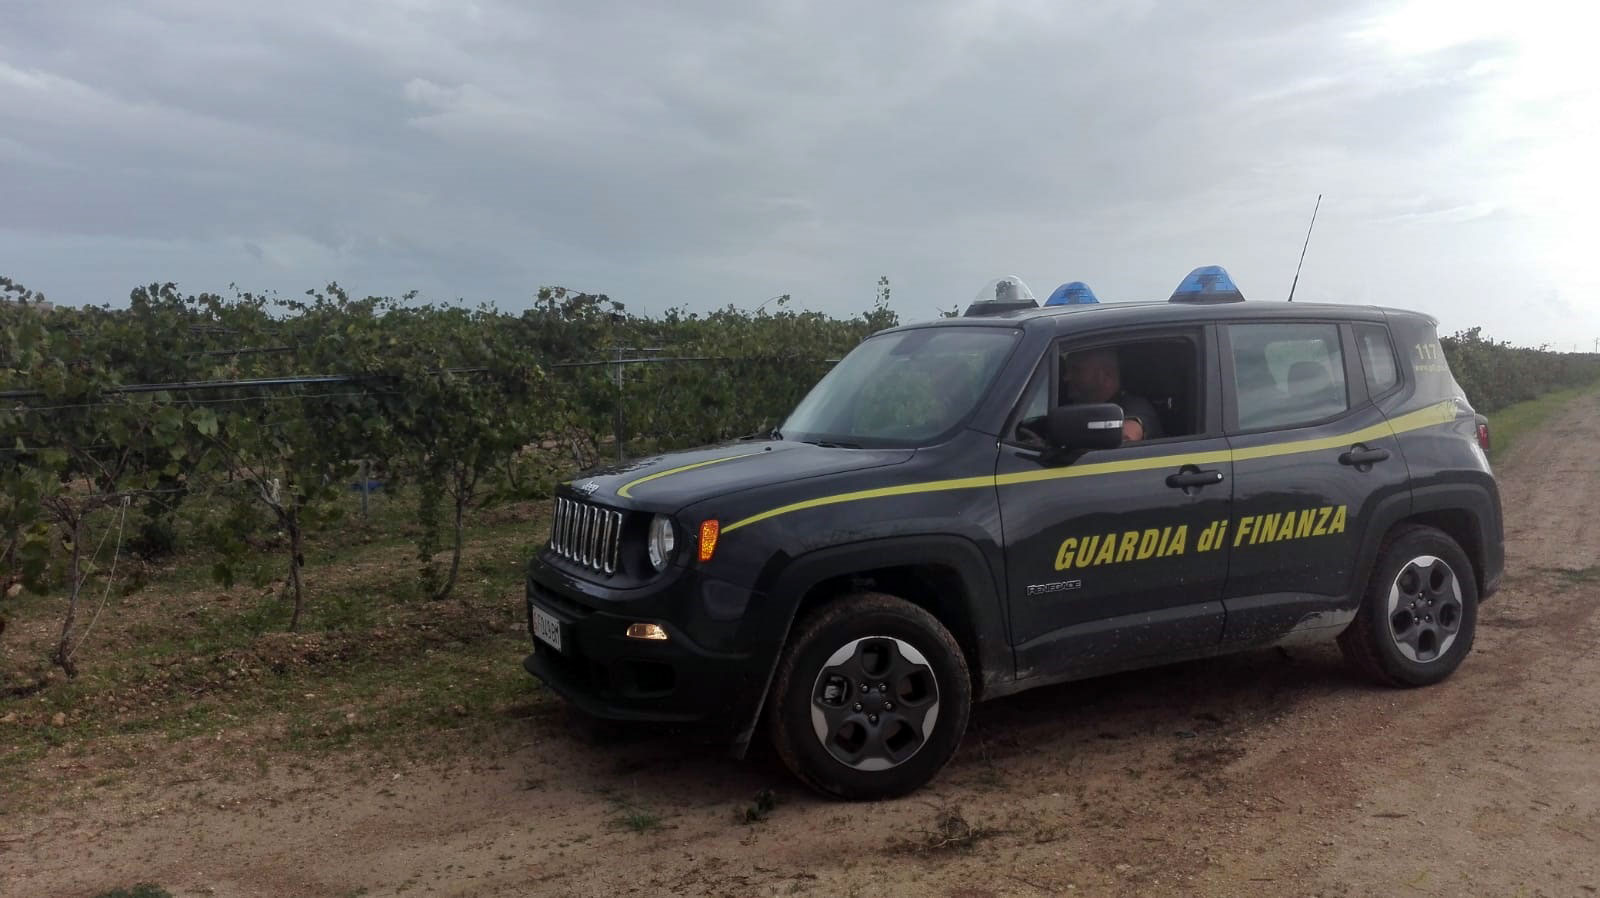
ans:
(1095, 375)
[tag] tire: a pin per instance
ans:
(902, 736)
(1419, 614)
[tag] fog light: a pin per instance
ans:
(646, 631)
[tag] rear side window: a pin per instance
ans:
(1286, 375)
(1377, 358)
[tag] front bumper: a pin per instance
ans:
(678, 680)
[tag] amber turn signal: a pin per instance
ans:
(708, 539)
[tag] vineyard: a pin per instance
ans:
(233, 428)
(1497, 374)
(230, 431)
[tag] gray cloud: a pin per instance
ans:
(703, 153)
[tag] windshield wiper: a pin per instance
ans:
(826, 444)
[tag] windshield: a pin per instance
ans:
(903, 388)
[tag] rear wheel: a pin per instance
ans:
(871, 698)
(1420, 612)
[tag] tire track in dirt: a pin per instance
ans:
(1271, 772)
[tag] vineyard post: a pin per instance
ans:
(618, 422)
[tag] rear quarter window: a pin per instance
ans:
(1377, 358)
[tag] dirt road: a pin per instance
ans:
(1269, 773)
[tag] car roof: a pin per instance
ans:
(1120, 314)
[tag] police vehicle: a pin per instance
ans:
(966, 508)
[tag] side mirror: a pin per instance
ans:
(1096, 426)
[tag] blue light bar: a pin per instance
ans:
(1208, 283)
(1076, 293)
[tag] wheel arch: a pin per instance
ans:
(1458, 510)
(1462, 513)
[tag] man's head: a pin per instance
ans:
(1093, 376)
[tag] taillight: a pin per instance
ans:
(1483, 436)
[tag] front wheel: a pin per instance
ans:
(871, 698)
(1420, 612)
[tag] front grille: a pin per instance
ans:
(586, 534)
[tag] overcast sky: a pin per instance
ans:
(715, 153)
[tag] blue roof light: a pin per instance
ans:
(1208, 283)
(1076, 293)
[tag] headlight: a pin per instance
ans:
(661, 541)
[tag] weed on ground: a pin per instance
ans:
(766, 801)
(949, 831)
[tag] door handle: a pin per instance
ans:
(1188, 479)
(1362, 457)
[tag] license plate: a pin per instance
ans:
(547, 629)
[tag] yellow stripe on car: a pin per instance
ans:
(1431, 416)
(1113, 467)
(932, 486)
(678, 470)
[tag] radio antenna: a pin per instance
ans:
(1303, 247)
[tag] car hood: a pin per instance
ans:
(672, 481)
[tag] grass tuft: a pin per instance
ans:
(764, 804)
(640, 821)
